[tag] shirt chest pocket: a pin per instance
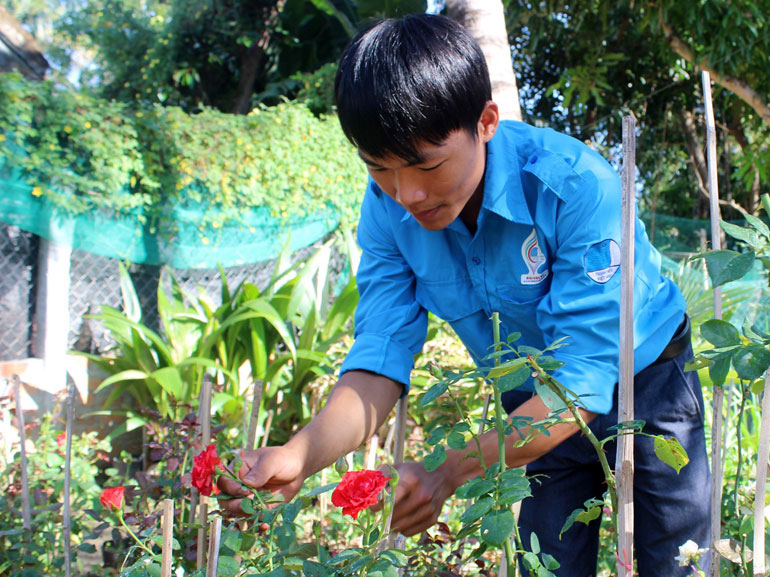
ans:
(521, 301)
(450, 300)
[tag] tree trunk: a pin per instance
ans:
(485, 20)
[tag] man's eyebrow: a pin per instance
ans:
(374, 164)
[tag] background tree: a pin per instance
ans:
(585, 64)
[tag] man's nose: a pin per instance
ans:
(409, 192)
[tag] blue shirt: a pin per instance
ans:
(545, 255)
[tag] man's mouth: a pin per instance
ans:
(427, 215)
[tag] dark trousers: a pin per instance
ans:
(669, 509)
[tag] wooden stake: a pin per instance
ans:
(371, 453)
(204, 411)
(624, 468)
(759, 494)
(26, 513)
(717, 391)
(203, 516)
(215, 535)
(67, 513)
(168, 538)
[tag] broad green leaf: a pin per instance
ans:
(751, 362)
(313, 569)
(477, 510)
(170, 380)
(456, 441)
(496, 527)
(228, 566)
(534, 544)
(130, 375)
(727, 265)
(758, 224)
(670, 452)
(435, 459)
(720, 333)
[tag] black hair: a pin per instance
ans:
(411, 80)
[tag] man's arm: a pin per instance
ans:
(420, 495)
(357, 406)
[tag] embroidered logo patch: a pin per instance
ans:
(602, 260)
(534, 259)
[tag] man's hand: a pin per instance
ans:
(420, 496)
(275, 469)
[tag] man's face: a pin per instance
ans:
(450, 175)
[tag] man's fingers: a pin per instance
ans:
(231, 487)
(231, 507)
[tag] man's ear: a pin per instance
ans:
(488, 121)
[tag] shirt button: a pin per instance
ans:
(533, 160)
(476, 260)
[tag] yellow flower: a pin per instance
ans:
(2, 137)
(133, 181)
(68, 129)
(87, 124)
(37, 191)
(205, 240)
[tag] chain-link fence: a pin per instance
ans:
(18, 258)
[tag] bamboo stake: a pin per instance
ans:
(255, 404)
(26, 513)
(203, 515)
(624, 468)
(398, 541)
(371, 453)
(67, 513)
(215, 534)
(168, 536)
(717, 391)
(759, 494)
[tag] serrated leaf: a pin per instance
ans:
(475, 488)
(435, 459)
(671, 452)
(549, 398)
(747, 235)
(456, 441)
(477, 510)
(758, 224)
(434, 392)
(496, 527)
(506, 368)
(534, 543)
(514, 380)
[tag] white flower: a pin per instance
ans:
(689, 553)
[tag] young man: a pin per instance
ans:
(465, 215)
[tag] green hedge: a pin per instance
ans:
(84, 153)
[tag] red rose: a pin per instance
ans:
(112, 498)
(204, 466)
(358, 490)
(61, 439)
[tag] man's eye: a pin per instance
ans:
(429, 168)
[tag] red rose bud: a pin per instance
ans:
(112, 499)
(204, 466)
(358, 490)
(435, 370)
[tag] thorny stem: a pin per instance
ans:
(744, 389)
(133, 535)
(552, 384)
(475, 437)
(500, 423)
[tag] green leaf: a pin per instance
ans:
(549, 398)
(496, 527)
(477, 510)
(720, 333)
(670, 452)
(719, 369)
(751, 362)
(170, 380)
(434, 392)
(228, 566)
(435, 459)
(514, 380)
(758, 224)
(475, 488)
(313, 569)
(534, 543)
(456, 441)
(727, 265)
(506, 368)
(749, 236)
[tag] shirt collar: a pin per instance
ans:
(503, 192)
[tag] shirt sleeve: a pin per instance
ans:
(583, 303)
(390, 325)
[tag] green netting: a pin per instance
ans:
(178, 240)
